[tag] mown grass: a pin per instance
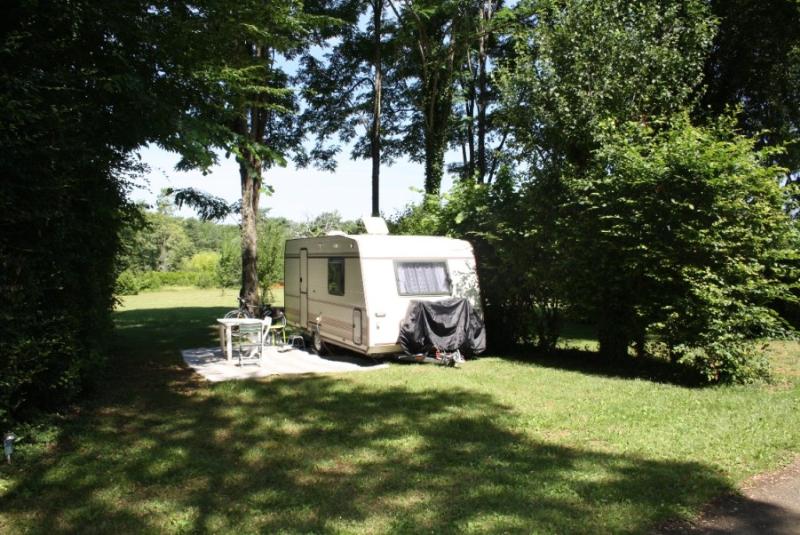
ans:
(501, 445)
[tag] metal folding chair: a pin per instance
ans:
(253, 335)
(277, 327)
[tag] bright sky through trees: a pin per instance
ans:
(299, 193)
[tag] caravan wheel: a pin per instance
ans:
(317, 344)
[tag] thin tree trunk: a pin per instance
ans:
(469, 109)
(377, 8)
(482, 97)
(470, 166)
(464, 174)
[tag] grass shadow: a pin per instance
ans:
(577, 352)
(319, 455)
(591, 362)
(159, 450)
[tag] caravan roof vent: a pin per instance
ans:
(375, 225)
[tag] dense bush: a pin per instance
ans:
(684, 229)
(62, 203)
(229, 269)
(127, 283)
(131, 283)
(56, 299)
(272, 236)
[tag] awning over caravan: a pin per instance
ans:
(446, 325)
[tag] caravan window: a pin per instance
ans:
(422, 278)
(336, 276)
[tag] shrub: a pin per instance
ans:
(229, 270)
(681, 231)
(127, 283)
(203, 261)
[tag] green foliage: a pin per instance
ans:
(203, 261)
(579, 63)
(432, 38)
(156, 244)
(272, 234)
(127, 283)
(74, 102)
(684, 230)
(131, 283)
(324, 223)
(755, 65)
(340, 88)
(423, 219)
(229, 270)
(205, 265)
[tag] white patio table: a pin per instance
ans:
(226, 328)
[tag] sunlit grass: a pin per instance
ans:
(499, 445)
(177, 296)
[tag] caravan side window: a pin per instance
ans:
(422, 278)
(336, 276)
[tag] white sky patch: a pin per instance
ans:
(300, 194)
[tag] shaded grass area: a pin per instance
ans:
(577, 350)
(498, 446)
(176, 297)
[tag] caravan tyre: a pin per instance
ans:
(318, 345)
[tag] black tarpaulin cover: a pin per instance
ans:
(446, 325)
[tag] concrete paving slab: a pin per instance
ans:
(278, 360)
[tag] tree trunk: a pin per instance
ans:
(250, 173)
(613, 342)
(482, 96)
(250, 166)
(438, 106)
(470, 164)
(375, 135)
(613, 330)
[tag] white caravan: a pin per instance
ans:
(353, 290)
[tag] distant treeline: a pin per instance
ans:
(162, 249)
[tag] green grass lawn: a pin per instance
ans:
(500, 445)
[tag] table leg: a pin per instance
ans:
(228, 342)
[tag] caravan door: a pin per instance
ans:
(303, 288)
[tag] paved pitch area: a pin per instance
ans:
(212, 364)
(769, 503)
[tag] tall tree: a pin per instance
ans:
(475, 126)
(255, 108)
(580, 64)
(755, 65)
(351, 90)
(434, 36)
(83, 83)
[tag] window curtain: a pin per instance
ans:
(422, 278)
